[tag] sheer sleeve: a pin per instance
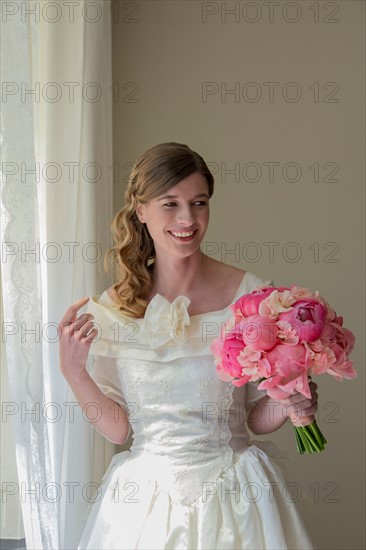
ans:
(252, 395)
(105, 374)
(244, 398)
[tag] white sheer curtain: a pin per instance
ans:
(56, 206)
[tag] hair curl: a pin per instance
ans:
(159, 169)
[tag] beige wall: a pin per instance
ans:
(163, 54)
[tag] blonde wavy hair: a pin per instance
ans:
(159, 169)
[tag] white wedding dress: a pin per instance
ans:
(192, 478)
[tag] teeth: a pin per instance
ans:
(183, 234)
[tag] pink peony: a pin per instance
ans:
(216, 348)
(232, 328)
(289, 366)
(248, 304)
(334, 333)
(287, 334)
(347, 342)
(289, 363)
(277, 302)
(331, 314)
(301, 293)
(254, 364)
(281, 387)
(259, 333)
(230, 351)
(285, 358)
(307, 317)
(320, 361)
(341, 368)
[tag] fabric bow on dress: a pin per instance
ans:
(165, 321)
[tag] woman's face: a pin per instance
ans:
(177, 220)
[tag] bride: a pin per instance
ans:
(197, 480)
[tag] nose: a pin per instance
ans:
(185, 215)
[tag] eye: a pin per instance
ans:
(169, 204)
(200, 203)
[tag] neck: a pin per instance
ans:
(173, 277)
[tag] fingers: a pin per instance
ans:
(71, 312)
(91, 335)
(70, 322)
(301, 409)
(82, 328)
(88, 331)
(81, 321)
(302, 401)
(302, 421)
(298, 398)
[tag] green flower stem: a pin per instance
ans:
(309, 439)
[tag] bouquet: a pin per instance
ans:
(280, 337)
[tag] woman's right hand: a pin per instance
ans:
(76, 335)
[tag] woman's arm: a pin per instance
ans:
(269, 414)
(76, 336)
(106, 415)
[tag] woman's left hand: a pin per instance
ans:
(301, 410)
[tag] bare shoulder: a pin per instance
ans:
(225, 278)
(224, 270)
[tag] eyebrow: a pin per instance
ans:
(176, 196)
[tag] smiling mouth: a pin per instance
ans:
(183, 236)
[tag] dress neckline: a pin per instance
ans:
(161, 297)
